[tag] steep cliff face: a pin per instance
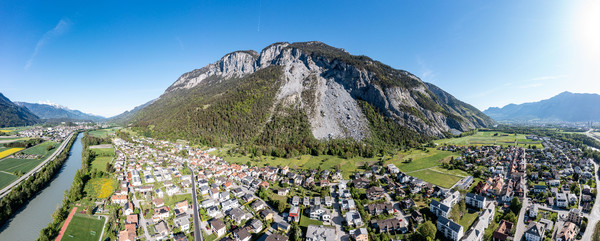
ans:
(326, 85)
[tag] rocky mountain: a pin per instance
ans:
(46, 111)
(128, 115)
(564, 107)
(14, 115)
(304, 91)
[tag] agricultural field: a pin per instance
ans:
(437, 178)
(420, 159)
(100, 188)
(103, 132)
(9, 152)
(84, 227)
(105, 155)
(6, 179)
(5, 131)
(11, 165)
(42, 149)
(491, 138)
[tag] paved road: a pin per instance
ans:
(197, 230)
(520, 221)
(7, 189)
(142, 219)
(594, 215)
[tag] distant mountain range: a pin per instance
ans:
(295, 93)
(565, 107)
(15, 115)
(46, 111)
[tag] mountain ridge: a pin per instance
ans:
(563, 107)
(327, 85)
(12, 114)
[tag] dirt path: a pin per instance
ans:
(64, 227)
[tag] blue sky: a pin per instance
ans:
(105, 57)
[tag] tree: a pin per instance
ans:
(427, 230)
(516, 205)
(510, 216)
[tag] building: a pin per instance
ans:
(535, 232)
(360, 234)
(439, 209)
(503, 231)
(561, 200)
(533, 211)
(567, 233)
(276, 237)
(575, 216)
(449, 228)
(321, 233)
(475, 200)
(218, 227)
(375, 193)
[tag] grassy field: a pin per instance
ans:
(9, 152)
(6, 179)
(105, 155)
(100, 187)
(24, 165)
(492, 138)
(467, 219)
(84, 227)
(436, 178)
(42, 149)
(103, 132)
(420, 159)
(305, 221)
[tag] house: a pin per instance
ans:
(267, 214)
(360, 183)
(258, 205)
(328, 201)
(162, 229)
(183, 222)
(238, 215)
(282, 226)
(360, 234)
(449, 228)
(533, 211)
(128, 209)
(255, 225)
(535, 232)
(158, 202)
(160, 213)
(439, 209)
(319, 213)
(294, 212)
(212, 211)
(218, 227)
(295, 201)
(306, 201)
(379, 208)
(475, 200)
(321, 233)
(539, 188)
(353, 219)
(375, 193)
(241, 234)
(119, 199)
(388, 225)
(348, 204)
(229, 204)
(283, 191)
(132, 219)
(503, 232)
(417, 217)
(276, 237)
(561, 200)
(183, 206)
(572, 198)
(208, 203)
(393, 169)
(575, 216)
(567, 232)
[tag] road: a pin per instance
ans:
(520, 221)
(142, 220)
(594, 215)
(197, 230)
(7, 189)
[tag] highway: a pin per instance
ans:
(7, 189)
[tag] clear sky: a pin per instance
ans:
(105, 57)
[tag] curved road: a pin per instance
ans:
(7, 189)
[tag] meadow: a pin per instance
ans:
(23, 165)
(100, 187)
(105, 155)
(42, 149)
(84, 227)
(482, 138)
(103, 132)
(6, 179)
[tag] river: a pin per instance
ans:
(32, 218)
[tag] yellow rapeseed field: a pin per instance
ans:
(9, 152)
(101, 187)
(5, 130)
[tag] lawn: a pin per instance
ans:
(103, 132)
(6, 179)
(420, 159)
(42, 149)
(171, 200)
(84, 227)
(105, 155)
(24, 165)
(100, 187)
(492, 138)
(437, 178)
(9, 152)
(305, 221)
(467, 219)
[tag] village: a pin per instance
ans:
(514, 193)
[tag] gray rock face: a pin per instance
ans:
(327, 89)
